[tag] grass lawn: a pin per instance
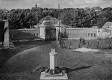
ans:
(18, 64)
(5, 54)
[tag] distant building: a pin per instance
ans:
(103, 33)
(82, 33)
(107, 25)
(49, 28)
(106, 30)
(90, 33)
(97, 9)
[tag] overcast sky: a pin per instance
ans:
(10, 4)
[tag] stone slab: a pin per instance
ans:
(47, 76)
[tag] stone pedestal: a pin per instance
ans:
(47, 76)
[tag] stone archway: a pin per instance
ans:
(50, 33)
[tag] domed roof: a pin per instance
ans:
(49, 21)
(48, 18)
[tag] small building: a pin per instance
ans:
(103, 33)
(107, 25)
(106, 30)
(90, 33)
(49, 28)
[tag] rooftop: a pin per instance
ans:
(49, 21)
(107, 25)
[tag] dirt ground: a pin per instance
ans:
(81, 66)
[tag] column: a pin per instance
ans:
(52, 59)
(52, 62)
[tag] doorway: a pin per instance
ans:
(50, 34)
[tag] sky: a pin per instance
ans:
(13, 4)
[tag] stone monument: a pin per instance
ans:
(52, 74)
(6, 34)
(6, 41)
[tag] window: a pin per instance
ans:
(88, 34)
(94, 35)
(91, 34)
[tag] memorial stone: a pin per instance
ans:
(6, 35)
(51, 75)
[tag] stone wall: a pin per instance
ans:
(23, 34)
(81, 33)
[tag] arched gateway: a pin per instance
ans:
(49, 28)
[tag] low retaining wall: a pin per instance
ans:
(24, 34)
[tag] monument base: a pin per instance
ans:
(8, 46)
(47, 76)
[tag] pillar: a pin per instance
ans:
(52, 60)
(6, 35)
(42, 32)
